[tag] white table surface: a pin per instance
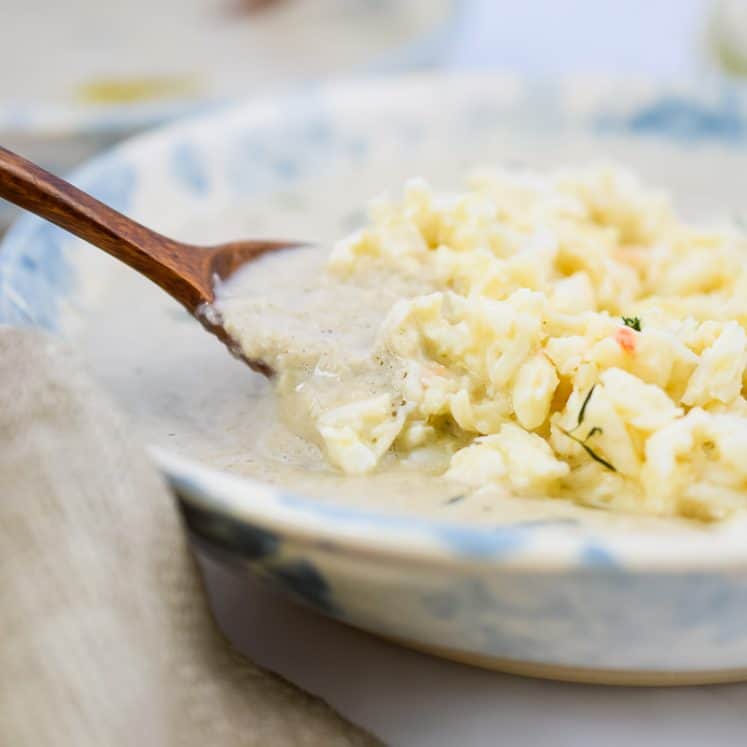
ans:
(413, 700)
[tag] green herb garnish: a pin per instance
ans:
(582, 411)
(588, 448)
(455, 499)
(594, 456)
(634, 322)
(593, 432)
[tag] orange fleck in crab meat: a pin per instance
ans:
(625, 338)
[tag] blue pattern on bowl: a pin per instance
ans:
(35, 273)
(188, 168)
(112, 180)
(301, 141)
(303, 581)
(684, 118)
(495, 543)
(39, 271)
(597, 556)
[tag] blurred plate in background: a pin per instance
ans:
(81, 74)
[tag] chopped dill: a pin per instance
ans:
(634, 322)
(582, 411)
(588, 448)
(455, 499)
(593, 432)
(596, 457)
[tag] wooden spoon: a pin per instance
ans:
(185, 271)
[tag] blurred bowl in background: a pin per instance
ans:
(89, 73)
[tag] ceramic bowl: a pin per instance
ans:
(589, 596)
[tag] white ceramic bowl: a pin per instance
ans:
(589, 598)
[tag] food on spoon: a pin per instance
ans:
(557, 335)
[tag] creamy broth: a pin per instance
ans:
(318, 334)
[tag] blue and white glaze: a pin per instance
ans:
(553, 591)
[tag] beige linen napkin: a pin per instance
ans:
(106, 638)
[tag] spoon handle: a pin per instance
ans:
(180, 269)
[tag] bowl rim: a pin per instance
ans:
(386, 536)
(398, 538)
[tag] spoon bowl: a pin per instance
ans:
(186, 272)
